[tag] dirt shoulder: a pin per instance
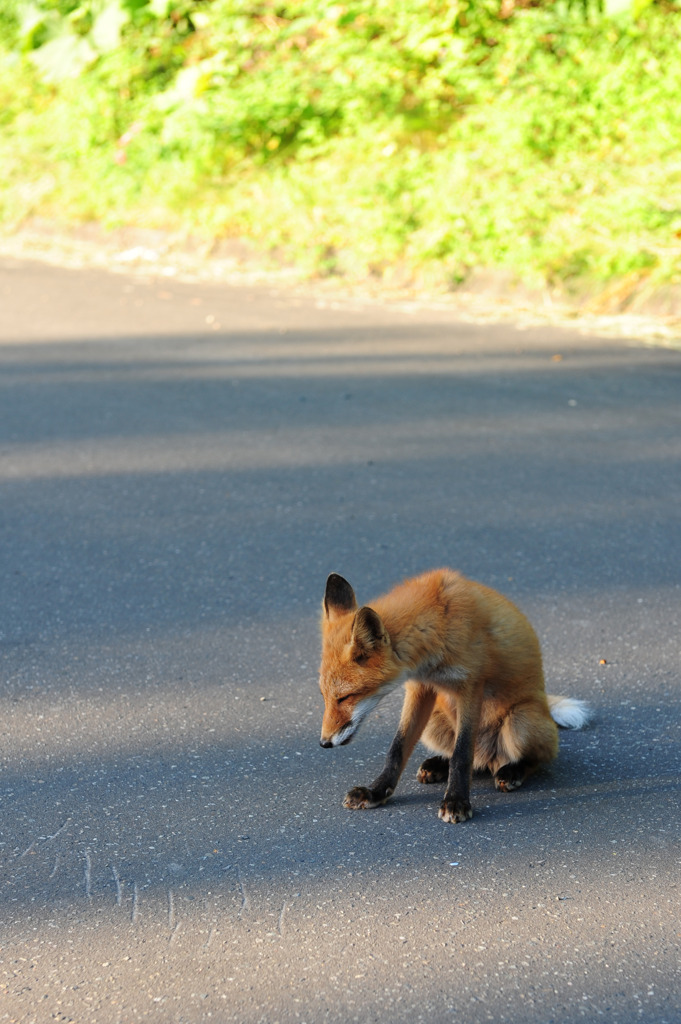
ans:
(623, 310)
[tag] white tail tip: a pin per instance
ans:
(568, 712)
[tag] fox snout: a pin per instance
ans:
(337, 735)
(340, 720)
(337, 729)
(339, 739)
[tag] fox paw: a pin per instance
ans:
(455, 809)
(510, 776)
(433, 769)
(360, 798)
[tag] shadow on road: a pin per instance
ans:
(174, 490)
(171, 507)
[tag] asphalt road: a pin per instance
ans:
(181, 467)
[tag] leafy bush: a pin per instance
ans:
(505, 132)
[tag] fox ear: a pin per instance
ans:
(339, 598)
(368, 633)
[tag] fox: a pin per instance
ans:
(471, 666)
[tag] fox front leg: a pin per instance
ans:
(416, 710)
(456, 806)
(383, 787)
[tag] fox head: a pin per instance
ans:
(359, 665)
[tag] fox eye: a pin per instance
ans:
(341, 699)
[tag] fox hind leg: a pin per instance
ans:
(527, 739)
(511, 776)
(433, 769)
(439, 736)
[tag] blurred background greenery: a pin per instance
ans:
(539, 137)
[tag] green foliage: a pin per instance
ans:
(441, 132)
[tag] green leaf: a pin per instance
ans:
(639, 6)
(189, 84)
(32, 18)
(106, 30)
(159, 7)
(66, 56)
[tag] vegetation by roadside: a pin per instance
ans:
(384, 137)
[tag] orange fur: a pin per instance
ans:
(472, 667)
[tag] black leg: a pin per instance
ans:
(418, 705)
(456, 805)
(383, 787)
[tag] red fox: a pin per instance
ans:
(472, 669)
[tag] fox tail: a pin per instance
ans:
(568, 712)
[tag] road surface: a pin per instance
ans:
(182, 464)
